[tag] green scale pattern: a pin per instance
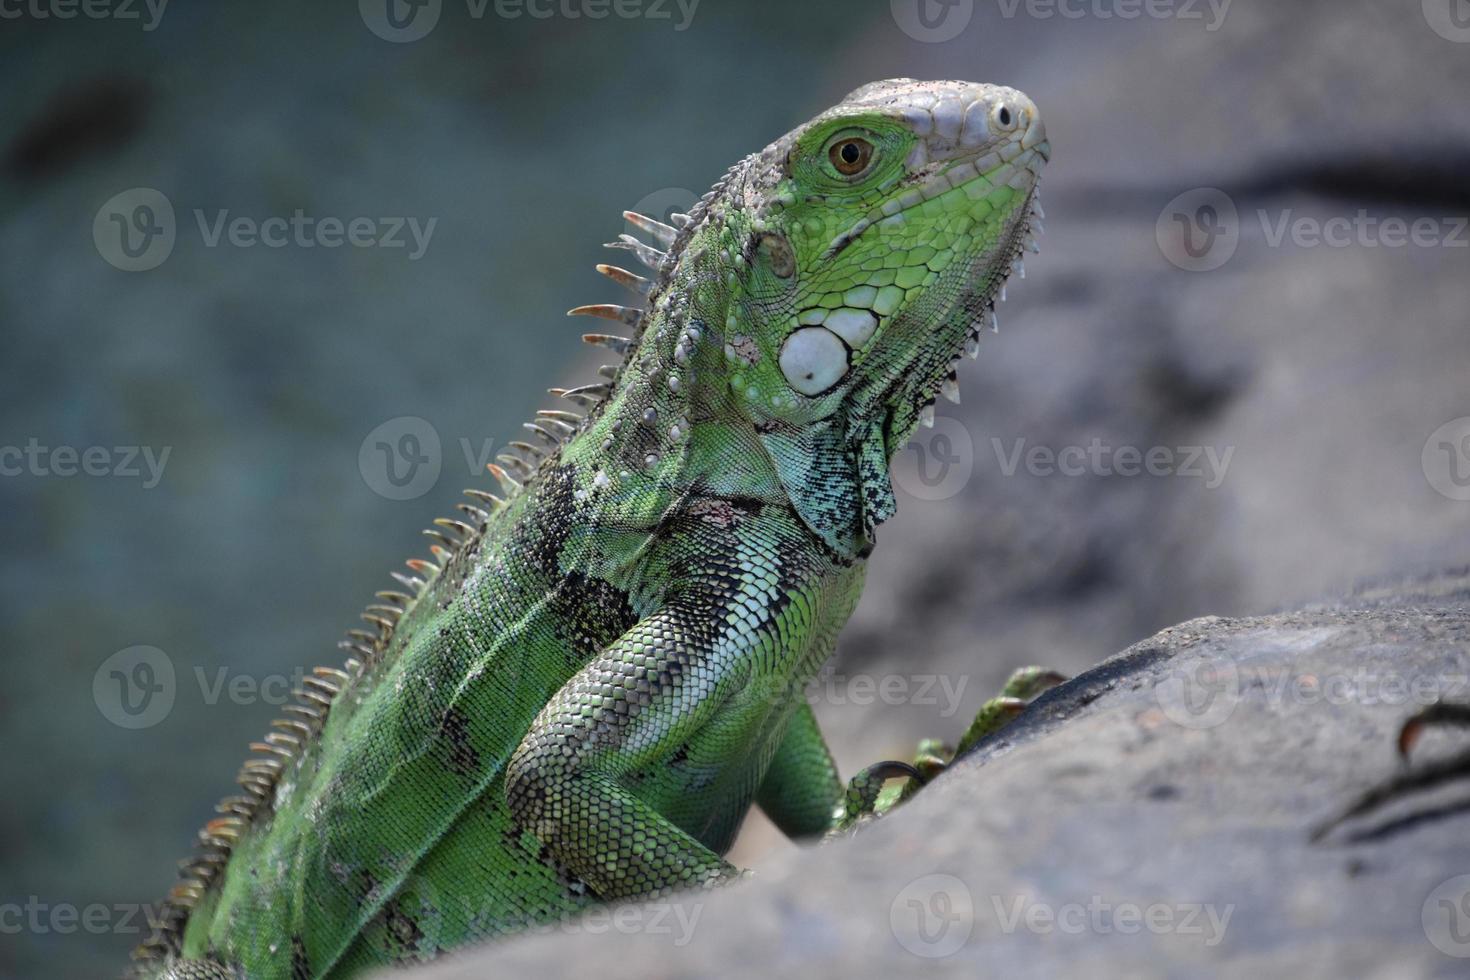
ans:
(581, 697)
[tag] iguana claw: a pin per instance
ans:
(865, 798)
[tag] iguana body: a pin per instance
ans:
(581, 697)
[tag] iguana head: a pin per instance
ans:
(883, 231)
(818, 296)
(882, 234)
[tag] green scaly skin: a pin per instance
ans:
(583, 694)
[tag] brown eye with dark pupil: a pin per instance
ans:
(851, 156)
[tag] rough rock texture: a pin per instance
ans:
(1150, 818)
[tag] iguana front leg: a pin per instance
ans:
(804, 797)
(636, 775)
(649, 693)
(1024, 685)
(801, 791)
(867, 794)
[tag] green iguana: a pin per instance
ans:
(580, 697)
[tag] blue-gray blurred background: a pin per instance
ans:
(1306, 396)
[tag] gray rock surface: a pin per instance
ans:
(1150, 818)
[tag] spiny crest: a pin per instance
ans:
(304, 718)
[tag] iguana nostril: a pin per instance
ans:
(1005, 117)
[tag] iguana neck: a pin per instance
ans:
(681, 419)
(670, 422)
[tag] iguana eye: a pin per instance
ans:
(850, 156)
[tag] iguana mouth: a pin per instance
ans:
(998, 168)
(981, 300)
(1016, 163)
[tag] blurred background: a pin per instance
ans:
(1237, 377)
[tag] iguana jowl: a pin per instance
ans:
(584, 692)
